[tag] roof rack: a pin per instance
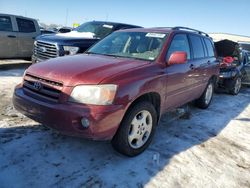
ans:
(189, 29)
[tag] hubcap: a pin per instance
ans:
(209, 93)
(140, 129)
(237, 85)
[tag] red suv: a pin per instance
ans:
(121, 86)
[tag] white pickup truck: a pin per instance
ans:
(17, 35)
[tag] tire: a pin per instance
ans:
(205, 99)
(132, 139)
(216, 88)
(236, 85)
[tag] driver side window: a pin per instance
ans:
(179, 43)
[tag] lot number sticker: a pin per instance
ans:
(156, 35)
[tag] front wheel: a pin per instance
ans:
(206, 98)
(136, 129)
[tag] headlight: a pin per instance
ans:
(94, 94)
(35, 43)
(226, 74)
(70, 50)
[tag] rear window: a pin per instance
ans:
(210, 48)
(198, 50)
(5, 23)
(25, 26)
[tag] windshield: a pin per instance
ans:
(99, 29)
(139, 45)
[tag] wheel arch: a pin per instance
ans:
(214, 78)
(152, 97)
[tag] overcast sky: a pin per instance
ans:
(229, 16)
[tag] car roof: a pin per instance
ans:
(149, 30)
(19, 16)
(168, 30)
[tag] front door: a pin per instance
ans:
(179, 76)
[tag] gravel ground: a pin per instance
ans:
(211, 149)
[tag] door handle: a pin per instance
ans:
(11, 36)
(209, 62)
(191, 66)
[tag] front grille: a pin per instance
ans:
(44, 50)
(41, 88)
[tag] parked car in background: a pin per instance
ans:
(17, 35)
(246, 69)
(245, 46)
(64, 30)
(46, 31)
(234, 66)
(122, 85)
(76, 41)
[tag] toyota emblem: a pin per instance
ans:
(37, 86)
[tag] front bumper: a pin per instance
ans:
(66, 117)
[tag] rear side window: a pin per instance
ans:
(25, 26)
(198, 49)
(179, 43)
(5, 23)
(210, 48)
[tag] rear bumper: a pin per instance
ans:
(66, 117)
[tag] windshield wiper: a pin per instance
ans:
(91, 53)
(112, 55)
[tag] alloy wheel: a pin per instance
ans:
(209, 93)
(140, 129)
(237, 85)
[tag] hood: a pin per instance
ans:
(226, 48)
(83, 68)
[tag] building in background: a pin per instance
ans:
(236, 38)
(244, 41)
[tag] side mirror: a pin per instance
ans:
(177, 58)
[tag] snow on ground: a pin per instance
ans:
(211, 149)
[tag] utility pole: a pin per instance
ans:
(66, 18)
(107, 17)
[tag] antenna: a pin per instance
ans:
(66, 18)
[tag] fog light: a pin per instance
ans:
(85, 122)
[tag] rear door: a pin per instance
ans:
(200, 63)
(26, 36)
(8, 37)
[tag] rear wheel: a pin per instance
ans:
(236, 85)
(206, 98)
(136, 130)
